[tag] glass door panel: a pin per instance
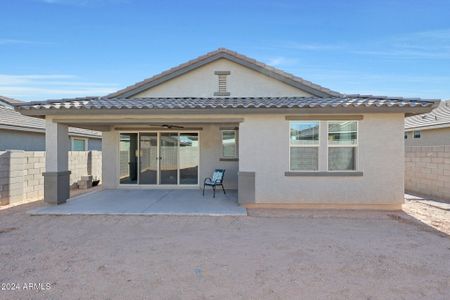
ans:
(168, 152)
(148, 158)
(128, 158)
(189, 158)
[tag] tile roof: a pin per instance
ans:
(10, 100)
(14, 120)
(233, 56)
(347, 101)
(439, 117)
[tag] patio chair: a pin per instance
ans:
(216, 180)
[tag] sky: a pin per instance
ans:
(52, 49)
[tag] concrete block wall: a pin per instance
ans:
(427, 170)
(21, 177)
(82, 163)
(33, 180)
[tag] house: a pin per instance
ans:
(19, 132)
(430, 129)
(284, 142)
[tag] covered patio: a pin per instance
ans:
(149, 202)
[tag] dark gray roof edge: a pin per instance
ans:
(431, 126)
(342, 96)
(50, 101)
(368, 96)
(287, 78)
(10, 101)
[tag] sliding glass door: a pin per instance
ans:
(148, 158)
(168, 152)
(159, 158)
(128, 158)
(189, 158)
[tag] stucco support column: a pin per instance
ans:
(57, 174)
(110, 159)
(246, 175)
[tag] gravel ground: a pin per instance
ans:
(268, 255)
(430, 215)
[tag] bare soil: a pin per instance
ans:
(268, 255)
(430, 215)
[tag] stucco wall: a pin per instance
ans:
(264, 149)
(427, 170)
(241, 82)
(95, 145)
(33, 141)
(431, 137)
(21, 177)
(20, 140)
(210, 154)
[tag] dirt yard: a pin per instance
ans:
(276, 255)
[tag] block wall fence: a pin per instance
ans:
(21, 179)
(427, 170)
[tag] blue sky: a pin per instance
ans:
(67, 48)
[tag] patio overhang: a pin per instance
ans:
(94, 106)
(130, 122)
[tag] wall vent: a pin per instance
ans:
(222, 81)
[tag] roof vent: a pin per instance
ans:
(222, 81)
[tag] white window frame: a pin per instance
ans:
(235, 155)
(343, 146)
(419, 134)
(158, 185)
(86, 143)
(305, 145)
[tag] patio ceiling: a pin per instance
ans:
(118, 123)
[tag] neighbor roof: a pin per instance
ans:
(13, 120)
(9, 101)
(437, 118)
(347, 103)
(290, 79)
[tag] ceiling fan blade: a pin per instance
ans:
(169, 126)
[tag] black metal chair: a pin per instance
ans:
(216, 180)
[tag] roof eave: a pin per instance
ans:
(408, 111)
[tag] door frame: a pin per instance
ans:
(158, 185)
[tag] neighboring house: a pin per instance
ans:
(284, 142)
(430, 129)
(19, 132)
(8, 102)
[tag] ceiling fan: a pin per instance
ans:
(170, 126)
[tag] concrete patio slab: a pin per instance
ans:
(148, 202)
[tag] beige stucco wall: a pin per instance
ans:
(264, 149)
(241, 82)
(210, 154)
(429, 137)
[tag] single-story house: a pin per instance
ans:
(284, 142)
(430, 129)
(19, 132)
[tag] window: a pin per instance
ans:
(304, 146)
(79, 144)
(229, 143)
(342, 144)
(416, 134)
